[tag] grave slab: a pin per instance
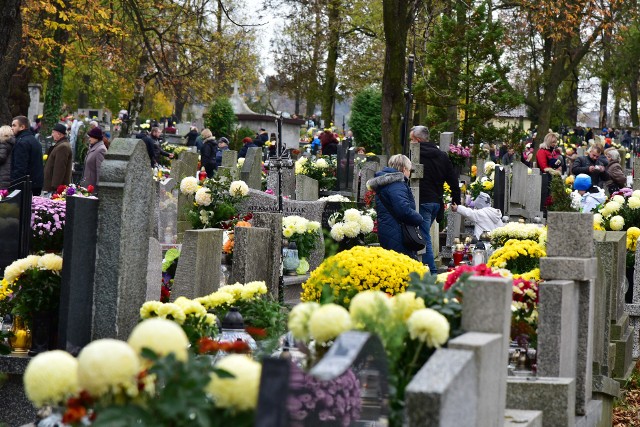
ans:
(198, 271)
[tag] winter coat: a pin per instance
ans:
(245, 148)
(92, 163)
(26, 159)
(593, 197)
(6, 147)
(393, 188)
(327, 138)
(219, 155)
(544, 158)
(191, 138)
(57, 170)
(438, 169)
(616, 175)
(208, 152)
(148, 142)
(485, 219)
(582, 163)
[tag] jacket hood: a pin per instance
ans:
(210, 139)
(429, 149)
(385, 177)
(8, 140)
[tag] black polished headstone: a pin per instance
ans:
(78, 268)
(10, 208)
(499, 186)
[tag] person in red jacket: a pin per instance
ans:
(546, 157)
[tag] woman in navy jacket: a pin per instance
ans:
(391, 184)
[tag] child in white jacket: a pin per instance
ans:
(483, 215)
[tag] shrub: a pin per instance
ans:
(366, 119)
(220, 118)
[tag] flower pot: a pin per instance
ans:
(21, 340)
(44, 328)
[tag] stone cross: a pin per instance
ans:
(123, 239)
(288, 181)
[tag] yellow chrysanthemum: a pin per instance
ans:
(160, 335)
(517, 255)
(150, 309)
(428, 326)
(240, 392)
(298, 322)
(329, 321)
(51, 378)
(108, 365)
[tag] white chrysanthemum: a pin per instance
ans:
(616, 223)
(51, 378)
(368, 304)
(51, 262)
(352, 215)
(337, 232)
(489, 167)
(150, 309)
(618, 199)
(597, 218)
(189, 185)
(333, 218)
(313, 226)
(329, 321)
(366, 224)
(16, 268)
(634, 202)
(298, 322)
(322, 164)
(428, 326)
(288, 231)
(240, 392)
(241, 162)
(636, 193)
(405, 304)
(160, 335)
(108, 365)
(238, 188)
(351, 228)
(334, 198)
(203, 197)
(612, 206)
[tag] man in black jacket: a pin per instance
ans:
(26, 158)
(594, 164)
(154, 149)
(438, 169)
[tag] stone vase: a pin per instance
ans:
(44, 327)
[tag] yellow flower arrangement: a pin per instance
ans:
(514, 230)
(160, 335)
(632, 238)
(518, 256)
(361, 268)
(51, 378)
(238, 392)
(533, 275)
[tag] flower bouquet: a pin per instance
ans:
(215, 200)
(303, 232)
(73, 190)
(47, 224)
(514, 230)
(322, 170)
(359, 269)
(352, 225)
(621, 211)
(483, 184)
(151, 379)
(408, 330)
(459, 154)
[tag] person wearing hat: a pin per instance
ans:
(57, 170)
(223, 145)
(248, 143)
(590, 195)
(484, 217)
(95, 156)
(208, 152)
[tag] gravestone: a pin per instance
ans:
(198, 271)
(455, 226)
(446, 139)
(251, 254)
(636, 175)
(554, 396)
(306, 188)
(570, 256)
(499, 188)
(168, 211)
(123, 239)
(525, 195)
(15, 218)
(633, 308)
(342, 163)
(154, 270)
(480, 166)
(289, 184)
(230, 163)
(259, 201)
(251, 171)
(367, 171)
(78, 269)
(444, 391)
(272, 222)
(349, 384)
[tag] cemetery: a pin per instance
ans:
(317, 213)
(261, 296)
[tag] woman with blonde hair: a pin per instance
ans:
(208, 152)
(395, 204)
(547, 158)
(7, 142)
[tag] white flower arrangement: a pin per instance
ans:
(160, 335)
(189, 185)
(239, 188)
(334, 198)
(514, 230)
(428, 326)
(51, 378)
(203, 197)
(108, 365)
(350, 223)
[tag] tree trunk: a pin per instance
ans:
(179, 104)
(633, 95)
(604, 88)
(10, 47)
(616, 109)
(53, 95)
(312, 89)
(397, 18)
(144, 76)
(572, 112)
(329, 92)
